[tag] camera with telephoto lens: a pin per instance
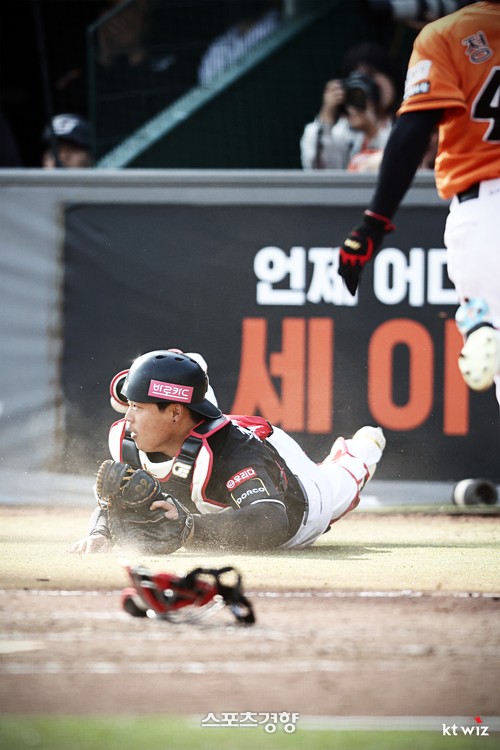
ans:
(359, 89)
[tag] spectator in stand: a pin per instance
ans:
(334, 137)
(356, 141)
(135, 80)
(372, 60)
(255, 25)
(67, 143)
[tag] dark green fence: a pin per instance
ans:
(249, 117)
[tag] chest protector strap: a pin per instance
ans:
(130, 452)
(179, 482)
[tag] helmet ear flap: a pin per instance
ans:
(117, 399)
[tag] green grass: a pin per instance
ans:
(160, 733)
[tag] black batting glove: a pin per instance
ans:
(360, 246)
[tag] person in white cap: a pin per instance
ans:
(67, 143)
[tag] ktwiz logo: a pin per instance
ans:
(478, 729)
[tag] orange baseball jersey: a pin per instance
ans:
(455, 66)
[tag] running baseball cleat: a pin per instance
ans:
(373, 448)
(479, 360)
(374, 434)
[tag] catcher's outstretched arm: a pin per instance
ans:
(90, 544)
(98, 537)
(261, 525)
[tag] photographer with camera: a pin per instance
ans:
(350, 131)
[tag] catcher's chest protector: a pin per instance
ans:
(179, 482)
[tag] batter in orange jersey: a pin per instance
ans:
(455, 66)
(452, 84)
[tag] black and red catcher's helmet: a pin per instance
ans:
(166, 376)
(116, 397)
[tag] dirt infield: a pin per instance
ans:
(385, 616)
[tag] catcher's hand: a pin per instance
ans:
(360, 246)
(127, 494)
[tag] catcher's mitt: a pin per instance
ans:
(127, 494)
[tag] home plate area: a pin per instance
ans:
(323, 654)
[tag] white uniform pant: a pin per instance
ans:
(472, 239)
(331, 488)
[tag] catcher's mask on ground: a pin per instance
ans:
(162, 377)
(162, 595)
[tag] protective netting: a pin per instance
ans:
(144, 55)
(241, 77)
(120, 63)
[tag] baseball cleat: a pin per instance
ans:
(479, 360)
(372, 436)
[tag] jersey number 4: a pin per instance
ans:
(487, 105)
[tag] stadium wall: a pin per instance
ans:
(100, 266)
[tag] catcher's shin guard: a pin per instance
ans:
(369, 444)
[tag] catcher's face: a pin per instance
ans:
(153, 430)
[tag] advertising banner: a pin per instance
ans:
(255, 290)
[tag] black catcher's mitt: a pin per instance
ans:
(127, 494)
